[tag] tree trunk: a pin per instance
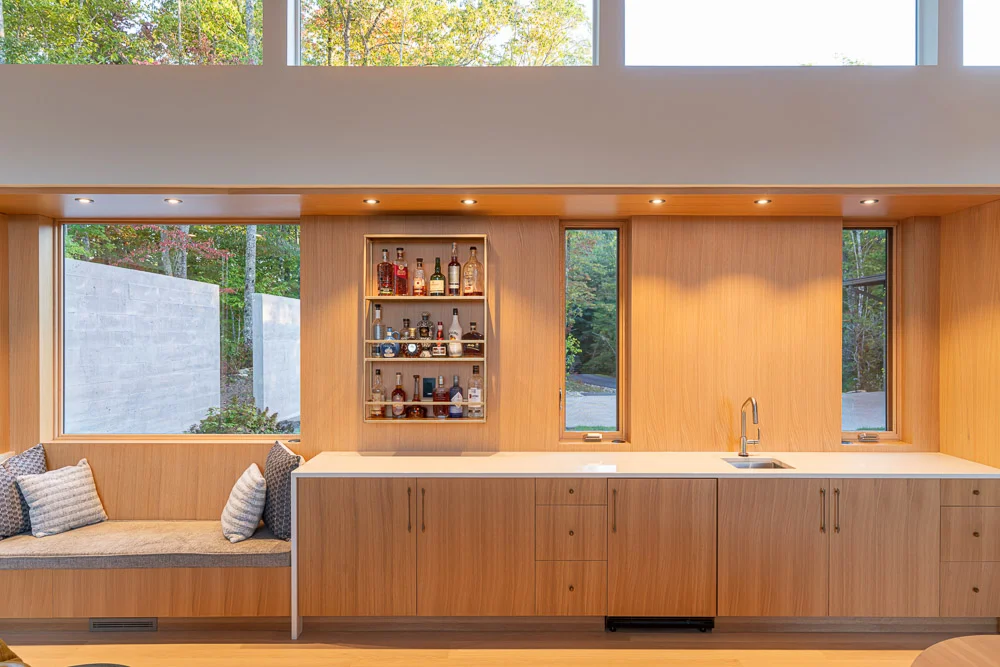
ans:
(3, 52)
(182, 253)
(249, 285)
(180, 32)
(168, 268)
(251, 37)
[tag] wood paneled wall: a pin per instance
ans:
(723, 309)
(4, 342)
(524, 301)
(970, 334)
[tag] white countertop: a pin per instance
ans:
(639, 464)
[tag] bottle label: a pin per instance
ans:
(454, 277)
(455, 409)
(419, 284)
(475, 395)
(424, 332)
(398, 408)
(437, 287)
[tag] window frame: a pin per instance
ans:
(57, 401)
(620, 436)
(892, 375)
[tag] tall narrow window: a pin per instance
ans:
(171, 329)
(982, 21)
(592, 386)
(867, 331)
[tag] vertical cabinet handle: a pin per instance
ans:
(822, 511)
(409, 509)
(423, 510)
(836, 510)
(614, 510)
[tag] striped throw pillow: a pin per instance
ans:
(242, 513)
(61, 500)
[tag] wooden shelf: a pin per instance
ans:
(427, 360)
(424, 299)
(464, 404)
(435, 420)
(429, 341)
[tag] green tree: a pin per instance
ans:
(865, 260)
(592, 301)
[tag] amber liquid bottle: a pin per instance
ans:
(401, 275)
(416, 411)
(386, 275)
(441, 395)
(454, 273)
(419, 279)
(398, 398)
(472, 275)
(472, 349)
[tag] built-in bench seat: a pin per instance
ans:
(178, 569)
(143, 544)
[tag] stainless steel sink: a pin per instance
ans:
(752, 463)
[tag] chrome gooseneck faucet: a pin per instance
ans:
(743, 425)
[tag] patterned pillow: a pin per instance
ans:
(242, 513)
(62, 499)
(281, 461)
(14, 517)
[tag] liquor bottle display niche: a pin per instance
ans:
(386, 275)
(377, 331)
(441, 395)
(402, 275)
(472, 275)
(476, 395)
(399, 399)
(472, 349)
(454, 273)
(439, 349)
(437, 278)
(377, 411)
(416, 411)
(454, 334)
(419, 279)
(455, 410)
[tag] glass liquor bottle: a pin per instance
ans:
(416, 411)
(472, 275)
(425, 329)
(454, 334)
(476, 410)
(456, 410)
(402, 275)
(454, 273)
(376, 409)
(439, 349)
(437, 279)
(378, 333)
(411, 348)
(390, 349)
(419, 279)
(472, 349)
(441, 395)
(399, 398)
(386, 275)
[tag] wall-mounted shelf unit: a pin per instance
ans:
(396, 307)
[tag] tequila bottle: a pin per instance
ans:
(476, 410)
(386, 275)
(425, 331)
(472, 275)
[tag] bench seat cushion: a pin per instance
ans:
(143, 544)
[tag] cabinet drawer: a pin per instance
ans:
(564, 532)
(970, 589)
(571, 588)
(970, 492)
(571, 492)
(970, 534)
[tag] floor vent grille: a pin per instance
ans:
(123, 625)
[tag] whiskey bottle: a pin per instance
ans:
(476, 410)
(454, 273)
(376, 409)
(472, 275)
(439, 349)
(402, 275)
(454, 335)
(416, 411)
(472, 349)
(390, 349)
(437, 279)
(411, 348)
(456, 410)
(378, 333)
(441, 395)
(419, 279)
(398, 398)
(386, 275)
(425, 330)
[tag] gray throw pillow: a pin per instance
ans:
(242, 513)
(281, 461)
(14, 517)
(62, 499)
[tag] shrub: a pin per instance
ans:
(240, 417)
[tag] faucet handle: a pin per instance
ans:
(757, 441)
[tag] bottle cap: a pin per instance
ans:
(420, 260)
(472, 248)
(456, 379)
(454, 311)
(475, 370)
(399, 250)
(472, 324)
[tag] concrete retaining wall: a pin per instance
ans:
(276, 355)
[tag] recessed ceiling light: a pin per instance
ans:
(372, 202)
(657, 202)
(762, 202)
(469, 202)
(85, 200)
(174, 201)
(869, 202)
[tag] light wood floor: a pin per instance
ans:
(217, 648)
